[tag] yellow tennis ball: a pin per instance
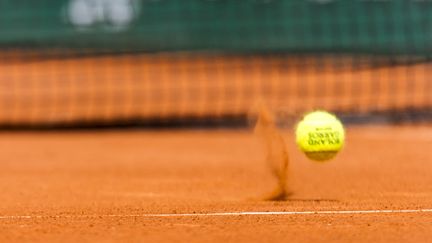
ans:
(320, 135)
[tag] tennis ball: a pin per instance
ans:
(320, 135)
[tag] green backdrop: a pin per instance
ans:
(396, 26)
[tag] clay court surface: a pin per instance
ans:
(107, 186)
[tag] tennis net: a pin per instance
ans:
(99, 62)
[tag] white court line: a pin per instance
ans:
(162, 215)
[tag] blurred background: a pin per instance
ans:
(176, 63)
